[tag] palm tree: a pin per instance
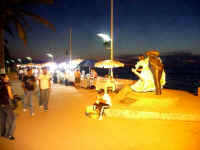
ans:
(12, 13)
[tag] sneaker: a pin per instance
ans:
(24, 110)
(11, 138)
(32, 114)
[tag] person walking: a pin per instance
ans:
(45, 88)
(8, 118)
(20, 73)
(77, 75)
(29, 86)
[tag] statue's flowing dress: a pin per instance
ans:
(146, 82)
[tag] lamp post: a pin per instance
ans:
(110, 39)
(70, 44)
(111, 31)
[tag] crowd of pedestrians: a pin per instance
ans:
(36, 85)
(33, 85)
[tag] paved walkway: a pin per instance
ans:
(65, 126)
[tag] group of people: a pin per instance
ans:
(80, 76)
(29, 85)
(22, 71)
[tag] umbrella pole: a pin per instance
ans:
(111, 72)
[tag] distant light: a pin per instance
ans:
(7, 62)
(29, 58)
(12, 60)
(74, 63)
(52, 66)
(62, 65)
(49, 55)
(104, 36)
(19, 59)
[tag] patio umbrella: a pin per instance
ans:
(109, 64)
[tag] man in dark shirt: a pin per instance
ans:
(29, 86)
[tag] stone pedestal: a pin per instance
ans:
(171, 105)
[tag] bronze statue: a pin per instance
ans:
(156, 67)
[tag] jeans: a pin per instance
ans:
(8, 121)
(44, 98)
(28, 100)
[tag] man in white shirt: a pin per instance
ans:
(45, 87)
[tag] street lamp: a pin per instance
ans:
(19, 60)
(13, 61)
(50, 56)
(107, 40)
(29, 58)
(105, 37)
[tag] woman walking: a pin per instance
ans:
(8, 117)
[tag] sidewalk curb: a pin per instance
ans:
(131, 114)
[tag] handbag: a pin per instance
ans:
(14, 102)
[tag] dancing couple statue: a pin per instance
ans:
(150, 71)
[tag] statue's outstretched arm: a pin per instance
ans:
(138, 74)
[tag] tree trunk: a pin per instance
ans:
(2, 55)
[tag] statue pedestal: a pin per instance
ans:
(171, 105)
(150, 100)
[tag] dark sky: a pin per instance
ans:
(139, 25)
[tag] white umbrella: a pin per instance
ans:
(109, 64)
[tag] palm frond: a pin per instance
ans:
(30, 2)
(21, 17)
(39, 19)
(21, 31)
(17, 14)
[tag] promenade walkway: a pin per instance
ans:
(65, 126)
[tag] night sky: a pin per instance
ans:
(139, 25)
